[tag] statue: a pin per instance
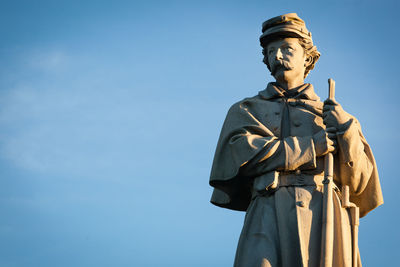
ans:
(270, 162)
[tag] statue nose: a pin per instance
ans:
(278, 54)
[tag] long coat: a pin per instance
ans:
(265, 164)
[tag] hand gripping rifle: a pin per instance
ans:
(327, 206)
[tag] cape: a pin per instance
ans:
(243, 136)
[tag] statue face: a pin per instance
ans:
(286, 59)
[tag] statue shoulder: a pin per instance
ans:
(246, 104)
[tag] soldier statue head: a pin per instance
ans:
(288, 48)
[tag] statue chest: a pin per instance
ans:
(299, 117)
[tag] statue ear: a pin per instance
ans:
(308, 62)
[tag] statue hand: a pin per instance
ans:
(334, 115)
(325, 141)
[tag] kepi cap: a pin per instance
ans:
(287, 25)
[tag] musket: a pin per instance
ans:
(327, 202)
(327, 205)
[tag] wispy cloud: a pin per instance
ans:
(50, 60)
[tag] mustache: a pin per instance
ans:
(280, 64)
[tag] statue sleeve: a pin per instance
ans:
(289, 154)
(355, 166)
(246, 147)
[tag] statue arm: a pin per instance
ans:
(249, 147)
(289, 154)
(353, 165)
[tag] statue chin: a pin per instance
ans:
(289, 78)
(283, 76)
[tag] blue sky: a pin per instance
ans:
(110, 112)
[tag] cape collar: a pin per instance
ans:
(306, 91)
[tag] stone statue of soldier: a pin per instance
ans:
(269, 160)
